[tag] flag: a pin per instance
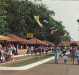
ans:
(52, 27)
(37, 19)
(59, 34)
(65, 34)
(44, 21)
(52, 32)
(40, 24)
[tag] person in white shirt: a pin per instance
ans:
(9, 48)
(77, 53)
(31, 49)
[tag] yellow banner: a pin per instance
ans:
(37, 18)
(74, 42)
(29, 35)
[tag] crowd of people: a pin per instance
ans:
(74, 53)
(40, 50)
(7, 53)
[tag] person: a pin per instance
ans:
(13, 51)
(28, 49)
(77, 53)
(35, 50)
(42, 50)
(64, 50)
(1, 53)
(65, 58)
(46, 49)
(57, 50)
(31, 50)
(73, 54)
(9, 48)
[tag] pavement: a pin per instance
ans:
(48, 68)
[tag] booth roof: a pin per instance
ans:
(35, 41)
(3, 38)
(64, 43)
(49, 43)
(14, 38)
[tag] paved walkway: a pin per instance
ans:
(49, 68)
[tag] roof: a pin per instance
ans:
(2, 38)
(35, 41)
(64, 43)
(77, 43)
(14, 38)
(49, 43)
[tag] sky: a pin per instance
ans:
(68, 13)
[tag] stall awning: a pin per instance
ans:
(3, 38)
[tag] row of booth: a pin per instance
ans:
(21, 43)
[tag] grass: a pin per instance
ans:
(26, 61)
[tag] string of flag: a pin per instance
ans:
(52, 28)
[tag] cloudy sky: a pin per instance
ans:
(68, 13)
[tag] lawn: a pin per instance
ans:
(26, 61)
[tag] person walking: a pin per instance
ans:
(77, 53)
(73, 54)
(31, 49)
(28, 49)
(42, 50)
(13, 51)
(2, 56)
(9, 48)
(57, 50)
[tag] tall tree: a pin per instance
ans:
(20, 20)
(2, 18)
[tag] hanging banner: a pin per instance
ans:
(29, 35)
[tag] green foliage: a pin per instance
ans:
(20, 20)
(77, 20)
(2, 19)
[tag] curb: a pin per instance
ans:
(27, 66)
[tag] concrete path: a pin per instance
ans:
(49, 68)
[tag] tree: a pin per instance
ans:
(2, 18)
(20, 20)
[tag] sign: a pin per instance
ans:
(29, 35)
(74, 42)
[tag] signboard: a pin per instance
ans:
(29, 35)
(74, 42)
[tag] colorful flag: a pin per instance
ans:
(52, 27)
(52, 32)
(59, 34)
(37, 19)
(65, 34)
(39, 23)
(44, 21)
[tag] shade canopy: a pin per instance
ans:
(35, 41)
(64, 43)
(3, 38)
(14, 38)
(49, 43)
